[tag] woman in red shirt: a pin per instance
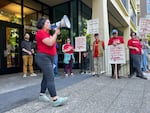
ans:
(68, 50)
(46, 50)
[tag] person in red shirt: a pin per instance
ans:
(135, 49)
(68, 50)
(46, 50)
(115, 40)
(98, 47)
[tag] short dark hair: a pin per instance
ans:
(95, 34)
(26, 33)
(133, 33)
(41, 22)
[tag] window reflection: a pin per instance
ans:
(12, 47)
(11, 12)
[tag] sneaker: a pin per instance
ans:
(60, 101)
(82, 73)
(66, 75)
(102, 72)
(33, 74)
(87, 73)
(25, 75)
(71, 74)
(93, 73)
(44, 98)
(56, 75)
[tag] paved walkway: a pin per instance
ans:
(98, 95)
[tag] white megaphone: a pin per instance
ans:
(63, 23)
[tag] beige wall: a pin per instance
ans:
(99, 11)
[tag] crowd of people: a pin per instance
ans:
(139, 52)
(47, 58)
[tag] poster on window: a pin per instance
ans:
(116, 54)
(80, 44)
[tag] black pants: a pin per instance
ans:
(136, 58)
(45, 62)
(132, 69)
(113, 69)
(84, 64)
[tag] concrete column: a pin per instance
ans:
(126, 35)
(99, 10)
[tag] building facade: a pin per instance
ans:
(19, 16)
(118, 14)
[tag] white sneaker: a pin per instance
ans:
(33, 74)
(71, 74)
(66, 75)
(24, 76)
(86, 73)
(102, 72)
(82, 73)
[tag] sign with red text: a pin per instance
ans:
(144, 26)
(116, 54)
(80, 44)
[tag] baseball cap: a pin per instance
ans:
(114, 31)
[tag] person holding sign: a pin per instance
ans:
(68, 50)
(98, 47)
(135, 48)
(115, 40)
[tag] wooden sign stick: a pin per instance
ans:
(116, 74)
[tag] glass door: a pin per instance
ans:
(10, 57)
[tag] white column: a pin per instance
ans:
(99, 10)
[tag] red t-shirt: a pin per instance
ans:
(66, 46)
(96, 49)
(118, 39)
(43, 48)
(135, 43)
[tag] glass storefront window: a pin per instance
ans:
(46, 10)
(10, 12)
(85, 14)
(32, 12)
(30, 20)
(33, 5)
(58, 13)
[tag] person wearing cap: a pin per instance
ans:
(135, 49)
(98, 47)
(115, 40)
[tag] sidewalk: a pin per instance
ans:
(15, 81)
(98, 95)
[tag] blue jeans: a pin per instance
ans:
(45, 63)
(144, 60)
(56, 64)
(136, 58)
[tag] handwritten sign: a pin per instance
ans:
(80, 44)
(144, 26)
(93, 26)
(116, 54)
